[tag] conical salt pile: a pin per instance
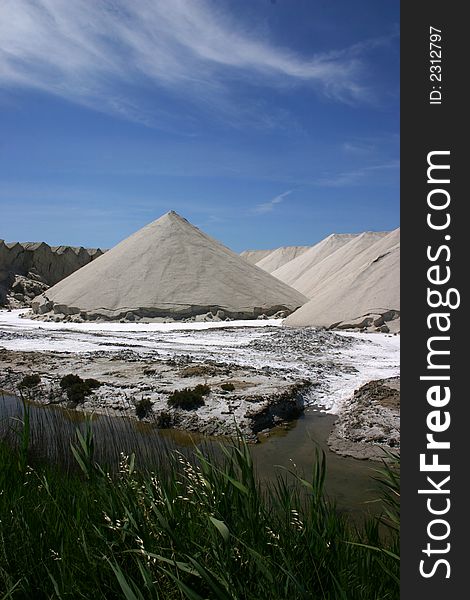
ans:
(254, 256)
(362, 291)
(279, 257)
(172, 270)
(334, 252)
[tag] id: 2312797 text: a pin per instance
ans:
(435, 65)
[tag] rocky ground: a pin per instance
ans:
(255, 400)
(23, 290)
(270, 373)
(370, 422)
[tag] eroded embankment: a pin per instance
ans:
(132, 385)
(370, 421)
(29, 268)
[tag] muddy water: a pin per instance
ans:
(348, 481)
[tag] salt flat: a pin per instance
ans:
(335, 363)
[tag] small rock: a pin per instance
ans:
(383, 329)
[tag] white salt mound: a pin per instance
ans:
(279, 257)
(290, 272)
(169, 269)
(357, 286)
(254, 256)
(339, 261)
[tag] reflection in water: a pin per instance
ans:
(348, 481)
(290, 447)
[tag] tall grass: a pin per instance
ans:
(196, 527)
(50, 429)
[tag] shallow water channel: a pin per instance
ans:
(348, 481)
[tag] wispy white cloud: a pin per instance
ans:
(370, 145)
(355, 176)
(269, 206)
(358, 148)
(374, 43)
(99, 53)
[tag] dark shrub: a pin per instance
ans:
(202, 389)
(92, 384)
(77, 388)
(164, 420)
(76, 393)
(143, 408)
(29, 381)
(69, 380)
(228, 387)
(186, 398)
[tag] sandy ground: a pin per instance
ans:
(275, 371)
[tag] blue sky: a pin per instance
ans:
(264, 122)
